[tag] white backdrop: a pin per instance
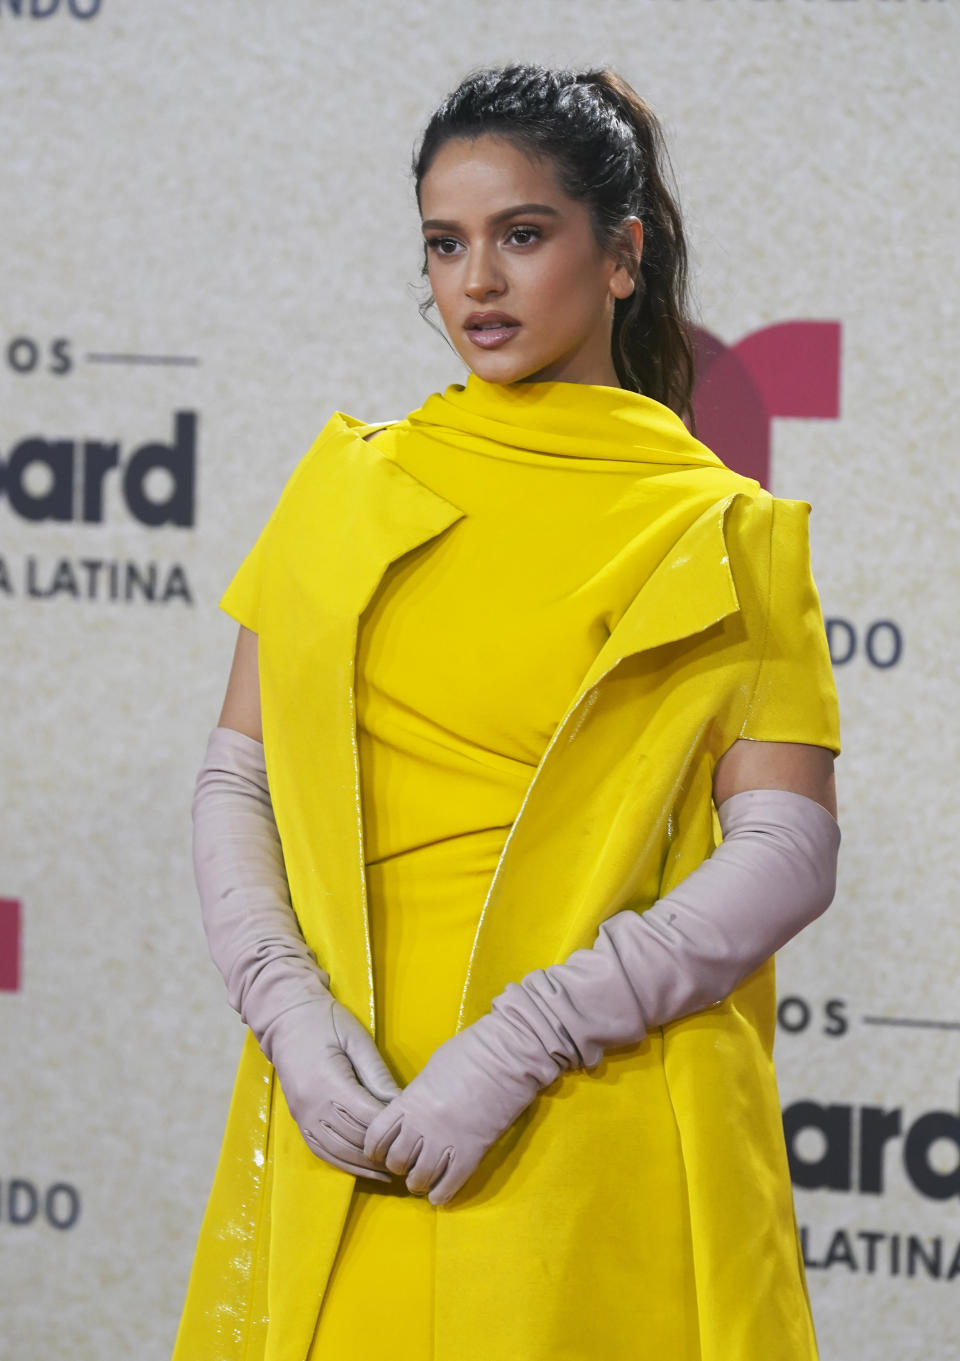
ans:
(210, 243)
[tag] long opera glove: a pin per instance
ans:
(773, 873)
(330, 1071)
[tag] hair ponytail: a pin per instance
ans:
(652, 348)
(610, 153)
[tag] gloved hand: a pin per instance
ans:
(774, 872)
(472, 1088)
(330, 1071)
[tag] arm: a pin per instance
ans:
(241, 703)
(793, 766)
(331, 1074)
(772, 874)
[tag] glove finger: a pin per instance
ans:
(427, 1170)
(345, 1165)
(375, 1076)
(364, 1055)
(381, 1132)
(348, 1125)
(342, 1086)
(450, 1181)
(327, 1144)
(404, 1151)
(328, 1134)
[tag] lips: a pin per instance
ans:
(490, 329)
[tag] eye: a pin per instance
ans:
(523, 235)
(442, 245)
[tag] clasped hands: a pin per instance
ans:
(773, 873)
(337, 1088)
(436, 1130)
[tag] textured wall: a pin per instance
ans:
(226, 187)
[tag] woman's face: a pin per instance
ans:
(525, 291)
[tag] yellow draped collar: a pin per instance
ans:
(578, 420)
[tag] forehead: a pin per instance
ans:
(486, 173)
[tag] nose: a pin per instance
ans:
(483, 277)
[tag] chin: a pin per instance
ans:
(501, 368)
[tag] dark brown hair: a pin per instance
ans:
(609, 152)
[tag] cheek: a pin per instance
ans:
(439, 281)
(570, 283)
(445, 295)
(590, 293)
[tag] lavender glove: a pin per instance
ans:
(774, 872)
(329, 1068)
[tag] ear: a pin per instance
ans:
(629, 253)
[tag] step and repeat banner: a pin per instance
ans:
(209, 244)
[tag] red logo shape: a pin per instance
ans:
(9, 944)
(790, 369)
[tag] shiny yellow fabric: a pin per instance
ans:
(502, 646)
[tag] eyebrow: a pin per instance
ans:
(521, 209)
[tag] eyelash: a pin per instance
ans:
(435, 242)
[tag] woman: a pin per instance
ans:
(537, 693)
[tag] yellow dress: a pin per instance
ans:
(502, 645)
(465, 665)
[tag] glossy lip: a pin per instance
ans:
(499, 327)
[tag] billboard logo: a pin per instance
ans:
(62, 479)
(25, 1202)
(852, 1145)
(46, 9)
(881, 643)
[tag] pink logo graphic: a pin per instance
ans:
(791, 369)
(9, 944)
